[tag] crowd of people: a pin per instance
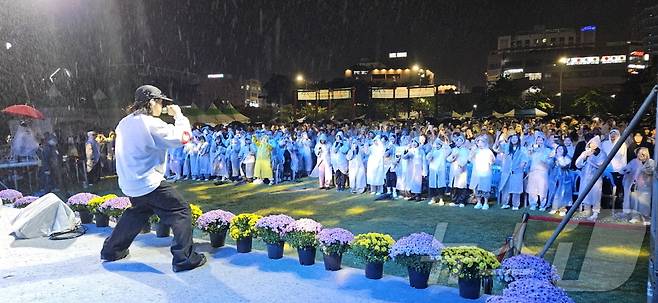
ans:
(62, 159)
(538, 164)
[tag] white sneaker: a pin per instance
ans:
(431, 202)
(395, 195)
(634, 221)
(533, 207)
(258, 181)
(478, 205)
(461, 205)
(585, 213)
(562, 213)
(506, 206)
(552, 212)
(485, 206)
(515, 208)
(452, 204)
(542, 209)
(646, 223)
(441, 203)
(593, 217)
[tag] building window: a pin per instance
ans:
(533, 76)
(527, 42)
(561, 41)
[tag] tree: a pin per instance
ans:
(592, 102)
(504, 94)
(535, 98)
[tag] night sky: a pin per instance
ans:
(253, 39)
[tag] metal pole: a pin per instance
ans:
(653, 272)
(561, 72)
(585, 190)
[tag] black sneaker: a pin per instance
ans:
(179, 268)
(118, 256)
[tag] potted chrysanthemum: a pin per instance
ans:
(114, 207)
(24, 201)
(243, 230)
(301, 235)
(532, 290)
(417, 252)
(161, 230)
(334, 242)
(272, 229)
(215, 223)
(8, 196)
(526, 267)
(80, 203)
(373, 249)
(469, 264)
(102, 220)
(196, 212)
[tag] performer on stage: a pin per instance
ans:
(141, 145)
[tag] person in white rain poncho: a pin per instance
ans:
(416, 159)
(357, 171)
(482, 159)
(513, 166)
(402, 166)
(375, 168)
(339, 161)
(390, 162)
(563, 193)
(204, 159)
(637, 182)
(589, 162)
(248, 159)
(438, 173)
(540, 164)
(458, 160)
(218, 160)
(305, 151)
(234, 158)
(323, 167)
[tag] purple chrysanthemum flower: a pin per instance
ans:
(335, 236)
(10, 195)
(25, 201)
(526, 267)
(276, 223)
(417, 244)
(214, 220)
(80, 199)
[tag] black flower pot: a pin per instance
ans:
(275, 251)
(374, 270)
(102, 220)
(418, 279)
(306, 255)
(244, 245)
(86, 217)
(218, 239)
(469, 288)
(332, 261)
(162, 230)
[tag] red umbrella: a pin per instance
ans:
(23, 111)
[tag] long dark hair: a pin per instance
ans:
(512, 148)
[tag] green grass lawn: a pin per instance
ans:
(487, 229)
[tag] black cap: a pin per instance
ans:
(145, 93)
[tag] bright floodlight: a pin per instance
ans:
(8, 45)
(415, 67)
(300, 78)
(563, 60)
(215, 76)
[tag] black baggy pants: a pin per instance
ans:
(172, 209)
